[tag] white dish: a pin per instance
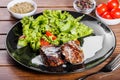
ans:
(86, 11)
(108, 21)
(18, 15)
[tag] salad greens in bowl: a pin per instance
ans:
(57, 41)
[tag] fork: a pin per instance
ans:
(113, 65)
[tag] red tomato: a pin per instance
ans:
(113, 4)
(119, 6)
(115, 13)
(48, 33)
(101, 8)
(54, 37)
(43, 42)
(107, 15)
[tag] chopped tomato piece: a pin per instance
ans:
(49, 34)
(44, 42)
(101, 8)
(54, 37)
(107, 15)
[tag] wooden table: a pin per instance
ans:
(9, 70)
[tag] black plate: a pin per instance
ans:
(109, 44)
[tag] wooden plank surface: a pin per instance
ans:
(16, 72)
(50, 3)
(44, 3)
(5, 59)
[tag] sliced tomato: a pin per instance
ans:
(107, 15)
(44, 42)
(119, 5)
(111, 4)
(49, 34)
(54, 37)
(115, 13)
(101, 8)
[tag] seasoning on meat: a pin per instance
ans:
(51, 55)
(22, 8)
(72, 52)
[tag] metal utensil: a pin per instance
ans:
(113, 65)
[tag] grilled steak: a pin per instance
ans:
(72, 52)
(51, 55)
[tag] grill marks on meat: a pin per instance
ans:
(51, 55)
(56, 56)
(72, 52)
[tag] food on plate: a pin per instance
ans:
(58, 55)
(109, 10)
(51, 55)
(23, 7)
(72, 52)
(56, 36)
(83, 53)
(53, 27)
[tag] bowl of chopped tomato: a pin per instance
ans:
(109, 12)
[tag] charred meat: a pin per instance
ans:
(68, 52)
(72, 52)
(51, 55)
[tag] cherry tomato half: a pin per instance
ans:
(115, 13)
(119, 7)
(44, 43)
(112, 4)
(49, 34)
(101, 8)
(107, 15)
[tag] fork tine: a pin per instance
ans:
(115, 60)
(116, 63)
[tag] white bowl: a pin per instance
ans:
(86, 11)
(18, 15)
(108, 21)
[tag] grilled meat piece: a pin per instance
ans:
(72, 52)
(51, 55)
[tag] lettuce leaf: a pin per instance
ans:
(61, 24)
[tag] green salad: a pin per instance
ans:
(53, 27)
